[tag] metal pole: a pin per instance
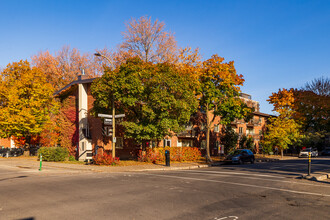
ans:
(40, 162)
(113, 128)
(309, 163)
(113, 109)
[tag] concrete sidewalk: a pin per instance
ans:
(32, 165)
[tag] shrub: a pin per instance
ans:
(105, 159)
(53, 153)
(176, 154)
(72, 158)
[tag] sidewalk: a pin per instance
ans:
(32, 165)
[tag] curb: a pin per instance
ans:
(175, 168)
(316, 177)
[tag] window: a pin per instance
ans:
(240, 130)
(167, 143)
(250, 131)
(216, 128)
(203, 144)
(185, 143)
(119, 143)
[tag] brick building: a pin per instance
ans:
(94, 136)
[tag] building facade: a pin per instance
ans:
(95, 132)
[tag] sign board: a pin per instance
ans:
(108, 121)
(110, 116)
(114, 139)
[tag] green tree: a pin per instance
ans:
(229, 138)
(219, 94)
(156, 98)
(282, 130)
(26, 100)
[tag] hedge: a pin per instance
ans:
(176, 154)
(53, 153)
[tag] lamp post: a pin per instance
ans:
(113, 144)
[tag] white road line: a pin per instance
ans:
(247, 177)
(235, 173)
(240, 184)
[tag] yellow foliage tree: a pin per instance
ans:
(26, 100)
(282, 130)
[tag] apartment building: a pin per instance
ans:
(94, 132)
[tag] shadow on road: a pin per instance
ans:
(16, 177)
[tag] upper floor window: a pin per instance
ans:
(216, 128)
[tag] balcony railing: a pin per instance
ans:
(187, 133)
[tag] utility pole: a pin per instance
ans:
(113, 128)
(113, 144)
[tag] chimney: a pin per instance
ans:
(82, 75)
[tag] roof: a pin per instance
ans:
(79, 81)
(263, 114)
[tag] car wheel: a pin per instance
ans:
(252, 161)
(240, 161)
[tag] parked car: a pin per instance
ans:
(11, 152)
(326, 152)
(240, 156)
(305, 152)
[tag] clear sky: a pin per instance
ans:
(275, 44)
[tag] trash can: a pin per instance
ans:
(167, 157)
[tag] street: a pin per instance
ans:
(248, 191)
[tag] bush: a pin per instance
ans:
(105, 159)
(176, 154)
(53, 153)
(72, 158)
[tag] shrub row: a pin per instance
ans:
(53, 153)
(176, 154)
(105, 159)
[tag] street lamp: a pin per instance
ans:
(113, 109)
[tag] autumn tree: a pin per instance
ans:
(219, 94)
(312, 110)
(156, 98)
(149, 41)
(64, 66)
(282, 130)
(319, 86)
(26, 101)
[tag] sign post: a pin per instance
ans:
(309, 163)
(40, 162)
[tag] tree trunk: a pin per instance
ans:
(282, 154)
(208, 157)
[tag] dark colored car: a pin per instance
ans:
(241, 156)
(326, 152)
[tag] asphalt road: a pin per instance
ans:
(249, 191)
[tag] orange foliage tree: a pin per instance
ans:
(149, 41)
(63, 67)
(219, 94)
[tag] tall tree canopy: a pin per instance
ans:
(219, 94)
(149, 41)
(26, 100)
(63, 67)
(156, 98)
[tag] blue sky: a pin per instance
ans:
(275, 44)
